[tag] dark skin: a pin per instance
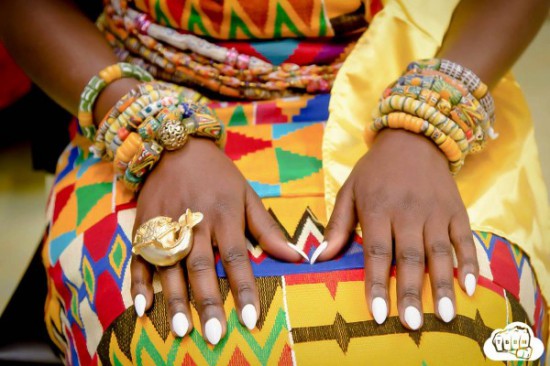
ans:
(426, 221)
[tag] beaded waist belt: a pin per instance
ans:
(186, 59)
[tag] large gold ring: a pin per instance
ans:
(163, 242)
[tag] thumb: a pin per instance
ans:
(267, 231)
(341, 224)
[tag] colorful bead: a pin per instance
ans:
(96, 85)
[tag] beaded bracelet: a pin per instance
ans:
(400, 120)
(443, 101)
(168, 129)
(97, 84)
(474, 84)
(426, 113)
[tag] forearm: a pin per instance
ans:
(60, 49)
(488, 36)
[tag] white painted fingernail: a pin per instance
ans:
(470, 284)
(180, 324)
(139, 304)
(250, 316)
(446, 309)
(379, 310)
(213, 331)
(298, 250)
(412, 317)
(320, 249)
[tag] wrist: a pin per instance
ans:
(399, 142)
(110, 95)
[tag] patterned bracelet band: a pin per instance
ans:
(427, 113)
(168, 129)
(443, 101)
(96, 85)
(401, 120)
(474, 84)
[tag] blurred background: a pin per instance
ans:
(23, 189)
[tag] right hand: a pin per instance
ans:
(202, 178)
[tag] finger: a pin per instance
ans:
(175, 295)
(377, 247)
(204, 284)
(463, 242)
(234, 257)
(341, 224)
(267, 231)
(439, 253)
(409, 257)
(141, 288)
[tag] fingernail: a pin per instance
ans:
(298, 250)
(412, 317)
(379, 310)
(470, 284)
(180, 324)
(139, 304)
(320, 249)
(446, 309)
(250, 316)
(213, 331)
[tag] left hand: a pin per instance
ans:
(402, 192)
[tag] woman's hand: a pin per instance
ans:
(200, 177)
(401, 191)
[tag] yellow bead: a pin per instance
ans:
(111, 73)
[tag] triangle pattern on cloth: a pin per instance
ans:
(87, 197)
(213, 11)
(304, 9)
(239, 145)
(238, 118)
(283, 129)
(59, 244)
(295, 166)
(297, 140)
(257, 11)
(269, 112)
(276, 52)
(266, 190)
(260, 167)
(61, 199)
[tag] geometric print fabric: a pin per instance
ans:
(308, 312)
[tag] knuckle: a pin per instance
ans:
(411, 257)
(411, 293)
(224, 206)
(465, 239)
(199, 265)
(234, 256)
(444, 285)
(377, 284)
(409, 202)
(175, 302)
(244, 287)
(209, 301)
(440, 248)
(379, 251)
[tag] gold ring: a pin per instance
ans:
(163, 242)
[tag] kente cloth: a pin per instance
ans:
(502, 187)
(309, 315)
(242, 19)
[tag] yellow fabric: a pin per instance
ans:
(502, 187)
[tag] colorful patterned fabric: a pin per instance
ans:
(89, 310)
(241, 19)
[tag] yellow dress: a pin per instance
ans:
(502, 188)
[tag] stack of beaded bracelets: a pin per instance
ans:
(152, 117)
(442, 100)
